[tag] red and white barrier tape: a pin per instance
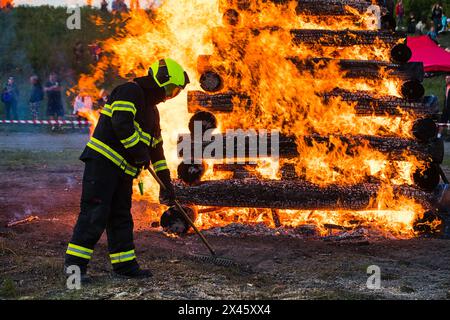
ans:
(50, 122)
(85, 122)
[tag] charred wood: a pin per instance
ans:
(290, 194)
(311, 7)
(425, 129)
(240, 171)
(366, 104)
(365, 69)
(206, 119)
(394, 147)
(344, 38)
(427, 178)
(191, 173)
(172, 221)
(211, 81)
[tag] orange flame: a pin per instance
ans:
(6, 3)
(287, 99)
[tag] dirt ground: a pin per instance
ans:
(41, 176)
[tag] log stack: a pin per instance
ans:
(247, 189)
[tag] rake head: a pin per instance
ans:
(214, 260)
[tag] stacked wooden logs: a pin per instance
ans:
(292, 192)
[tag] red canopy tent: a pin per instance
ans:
(434, 58)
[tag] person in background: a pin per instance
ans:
(412, 23)
(420, 27)
(432, 34)
(399, 12)
(82, 102)
(436, 16)
(55, 108)
(10, 97)
(104, 6)
(444, 24)
(36, 96)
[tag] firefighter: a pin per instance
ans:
(126, 140)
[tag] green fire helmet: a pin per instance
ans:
(169, 72)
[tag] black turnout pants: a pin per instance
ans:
(105, 204)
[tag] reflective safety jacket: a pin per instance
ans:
(128, 131)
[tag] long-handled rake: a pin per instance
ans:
(213, 258)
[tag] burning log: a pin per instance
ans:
(365, 69)
(393, 147)
(423, 225)
(172, 221)
(211, 81)
(412, 90)
(222, 102)
(22, 221)
(191, 173)
(312, 7)
(412, 73)
(291, 194)
(369, 105)
(207, 119)
(425, 129)
(344, 38)
(366, 105)
(240, 171)
(400, 53)
(428, 178)
(399, 67)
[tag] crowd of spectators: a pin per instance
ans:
(52, 88)
(432, 24)
(52, 91)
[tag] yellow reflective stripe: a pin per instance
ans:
(156, 141)
(162, 168)
(112, 155)
(77, 254)
(160, 165)
(107, 111)
(79, 251)
(120, 105)
(122, 256)
(131, 141)
(71, 245)
(144, 136)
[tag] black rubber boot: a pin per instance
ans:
(135, 274)
(131, 270)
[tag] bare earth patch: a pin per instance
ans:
(269, 266)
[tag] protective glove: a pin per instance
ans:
(166, 196)
(140, 155)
